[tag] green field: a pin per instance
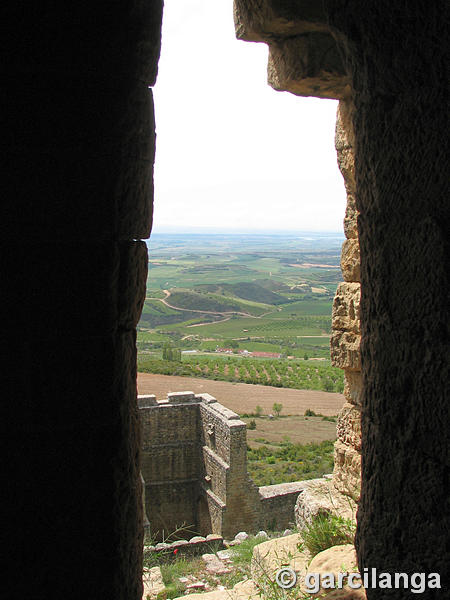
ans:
(298, 374)
(263, 293)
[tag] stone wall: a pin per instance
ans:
(170, 459)
(346, 330)
(394, 76)
(278, 504)
(305, 59)
(78, 138)
(194, 464)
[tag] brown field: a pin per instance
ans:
(244, 397)
(299, 430)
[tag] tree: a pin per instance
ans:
(277, 408)
(258, 410)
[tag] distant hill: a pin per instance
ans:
(247, 291)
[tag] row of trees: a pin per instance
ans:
(278, 373)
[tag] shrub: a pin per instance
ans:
(310, 413)
(252, 424)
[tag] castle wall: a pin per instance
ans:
(194, 464)
(170, 463)
(346, 329)
(278, 504)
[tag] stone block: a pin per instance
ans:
(345, 350)
(351, 215)
(206, 398)
(348, 427)
(132, 283)
(347, 470)
(346, 312)
(146, 400)
(353, 387)
(181, 397)
(321, 497)
(344, 142)
(256, 21)
(307, 65)
(350, 260)
(225, 412)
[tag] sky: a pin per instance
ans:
(232, 153)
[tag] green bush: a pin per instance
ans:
(325, 531)
(252, 424)
(310, 413)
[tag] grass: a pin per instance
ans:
(185, 566)
(271, 464)
(325, 531)
(289, 428)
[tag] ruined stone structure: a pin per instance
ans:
(194, 464)
(79, 139)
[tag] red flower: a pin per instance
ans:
(175, 551)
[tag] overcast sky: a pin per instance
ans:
(230, 151)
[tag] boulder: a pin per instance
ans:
(336, 560)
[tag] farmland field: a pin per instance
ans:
(247, 319)
(244, 397)
(264, 293)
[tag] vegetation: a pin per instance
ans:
(275, 372)
(175, 567)
(268, 293)
(284, 461)
(277, 408)
(325, 531)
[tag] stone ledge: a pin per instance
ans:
(144, 401)
(308, 65)
(280, 489)
(181, 397)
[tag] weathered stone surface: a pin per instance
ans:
(338, 559)
(146, 400)
(351, 216)
(307, 65)
(350, 260)
(214, 565)
(269, 556)
(344, 143)
(346, 313)
(256, 21)
(353, 387)
(349, 426)
(180, 397)
(345, 350)
(153, 583)
(320, 496)
(347, 470)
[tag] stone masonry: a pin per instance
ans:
(304, 59)
(346, 332)
(194, 464)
